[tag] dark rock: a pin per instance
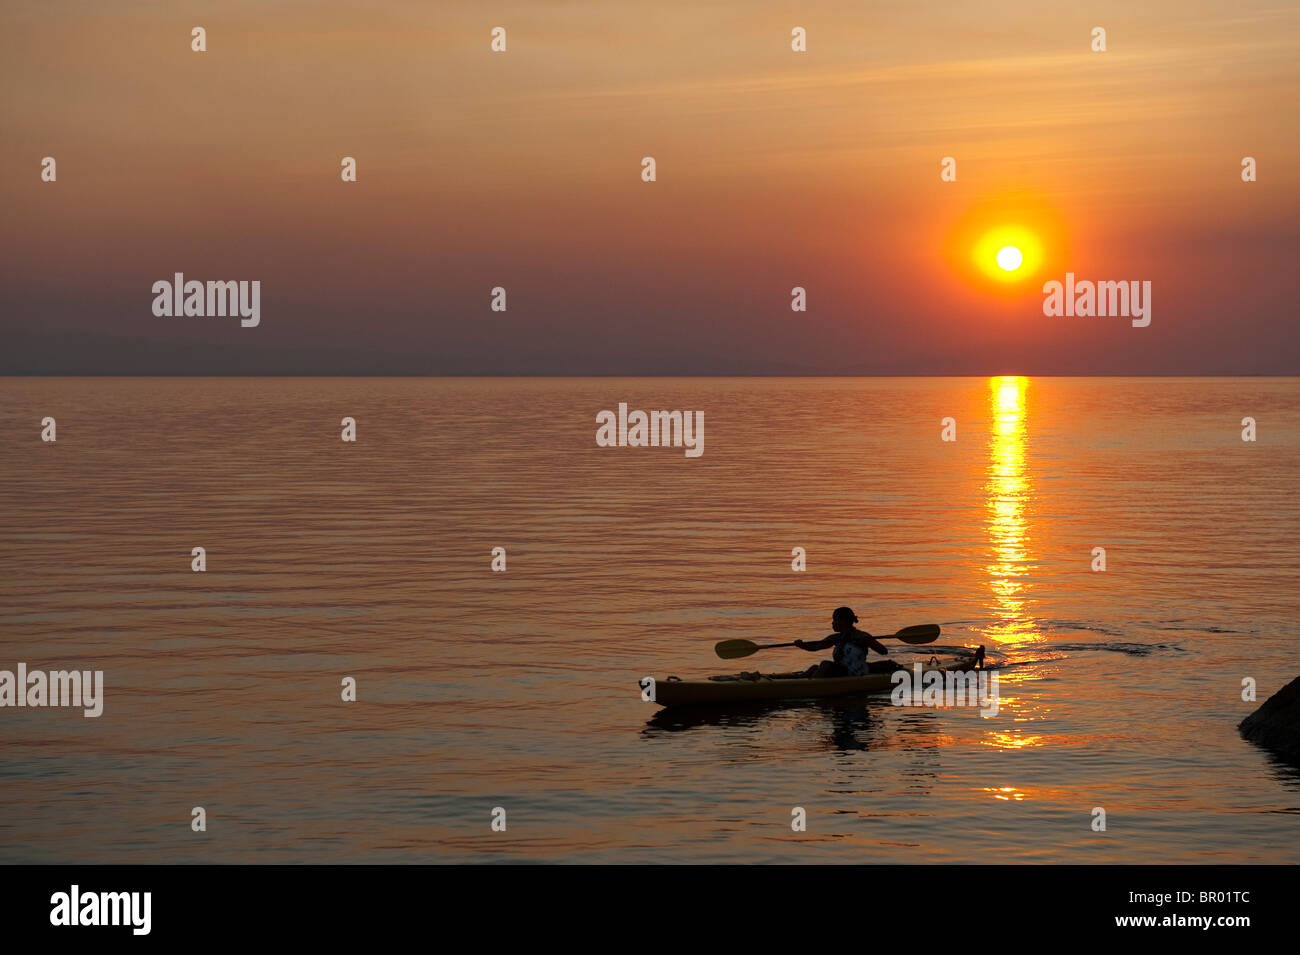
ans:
(1276, 724)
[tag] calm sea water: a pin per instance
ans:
(1120, 690)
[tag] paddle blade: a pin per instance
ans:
(925, 633)
(732, 649)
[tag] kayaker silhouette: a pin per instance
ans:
(851, 646)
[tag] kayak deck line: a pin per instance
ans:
(748, 687)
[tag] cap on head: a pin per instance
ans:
(845, 613)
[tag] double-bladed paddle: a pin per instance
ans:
(732, 649)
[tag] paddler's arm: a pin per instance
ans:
(873, 643)
(815, 645)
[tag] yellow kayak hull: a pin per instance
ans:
(750, 688)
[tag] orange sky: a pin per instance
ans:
(521, 169)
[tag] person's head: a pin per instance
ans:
(843, 619)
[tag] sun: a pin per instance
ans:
(1006, 244)
(1008, 253)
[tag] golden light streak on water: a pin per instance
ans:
(1008, 793)
(1012, 740)
(1009, 493)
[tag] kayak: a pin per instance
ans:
(755, 687)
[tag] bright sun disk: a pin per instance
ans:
(1009, 254)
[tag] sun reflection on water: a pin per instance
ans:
(1009, 793)
(1008, 496)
